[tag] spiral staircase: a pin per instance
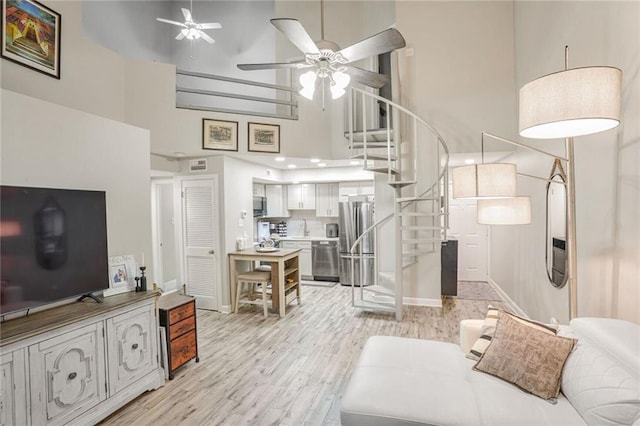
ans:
(396, 143)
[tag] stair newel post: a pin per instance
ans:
(398, 245)
(396, 142)
(388, 119)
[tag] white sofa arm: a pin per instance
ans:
(469, 333)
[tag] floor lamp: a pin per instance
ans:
(565, 104)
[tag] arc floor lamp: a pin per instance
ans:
(563, 105)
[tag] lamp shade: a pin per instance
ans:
(575, 102)
(506, 211)
(494, 180)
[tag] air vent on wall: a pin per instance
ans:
(198, 165)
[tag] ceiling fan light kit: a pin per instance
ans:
(327, 62)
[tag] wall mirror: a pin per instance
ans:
(556, 238)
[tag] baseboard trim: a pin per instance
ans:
(509, 301)
(419, 301)
(225, 309)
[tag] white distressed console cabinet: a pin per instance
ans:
(78, 363)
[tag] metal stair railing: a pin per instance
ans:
(438, 190)
(210, 92)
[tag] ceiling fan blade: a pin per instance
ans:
(383, 42)
(180, 36)
(187, 14)
(168, 21)
(206, 37)
(293, 30)
(254, 67)
(210, 26)
(368, 78)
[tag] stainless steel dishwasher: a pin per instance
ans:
(324, 261)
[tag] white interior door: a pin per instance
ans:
(165, 257)
(472, 239)
(201, 241)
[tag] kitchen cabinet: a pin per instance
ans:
(346, 189)
(258, 190)
(301, 196)
(276, 200)
(304, 259)
(79, 362)
(327, 197)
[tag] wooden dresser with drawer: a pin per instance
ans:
(178, 317)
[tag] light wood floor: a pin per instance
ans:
(289, 371)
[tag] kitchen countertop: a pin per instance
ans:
(301, 238)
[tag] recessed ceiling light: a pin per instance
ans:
(322, 164)
(469, 161)
(279, 158)
(292, 166)
(295, 182)
(315, 160)
(179, 154)
(355, 163)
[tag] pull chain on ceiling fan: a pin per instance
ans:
(327, 61)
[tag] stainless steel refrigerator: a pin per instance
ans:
(355, 218)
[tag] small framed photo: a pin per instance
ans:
(264, 138)
(122, 273)
(31, 36)
(219, 135)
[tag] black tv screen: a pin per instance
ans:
(53, 245)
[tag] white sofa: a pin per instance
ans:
(402, 381)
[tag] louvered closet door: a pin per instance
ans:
(201, 241)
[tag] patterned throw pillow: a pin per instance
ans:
(526, 356)
(489, 328)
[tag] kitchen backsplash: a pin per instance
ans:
(295, 223)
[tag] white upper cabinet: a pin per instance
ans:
(276, 200)
(301, 196)
(258, 190)
(365, 187)
(327, 199)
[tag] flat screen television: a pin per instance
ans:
(53, 245)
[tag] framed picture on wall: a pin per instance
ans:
(264, 138)
(31, 35)
(219, 135)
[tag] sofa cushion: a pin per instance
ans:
(526, 356)
(489, 328)
(602, 376)
(401, 381)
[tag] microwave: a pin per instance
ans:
(259, 206)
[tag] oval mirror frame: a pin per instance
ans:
(556, 229)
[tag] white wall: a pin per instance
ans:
(92, 77)
(67, 148)
(607, 167)
(457, 73)
(130, 28)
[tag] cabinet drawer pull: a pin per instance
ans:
(134, 346)
(72, 375)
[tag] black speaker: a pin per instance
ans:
(449, 268)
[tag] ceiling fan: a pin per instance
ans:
(191, 29)
(327, 61)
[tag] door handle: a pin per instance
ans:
(212, 252)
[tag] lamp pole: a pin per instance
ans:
(572, 252)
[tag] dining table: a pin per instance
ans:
(285, 272)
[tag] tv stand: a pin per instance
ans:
(79, 362)
(90, 296)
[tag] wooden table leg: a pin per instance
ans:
(232, 281)
(275, 286)
(281, 285)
